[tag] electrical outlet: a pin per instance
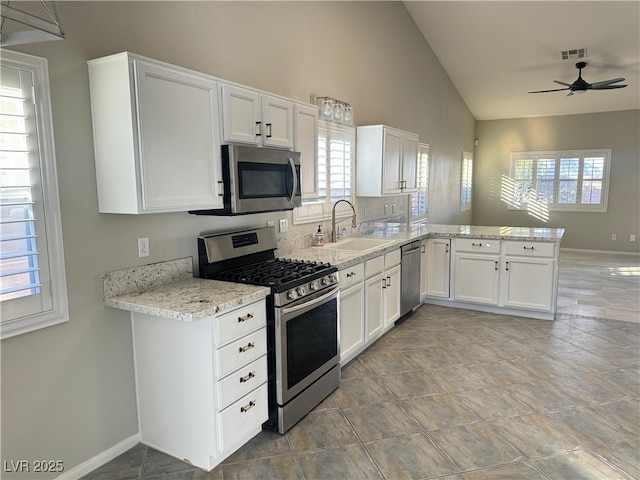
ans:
(614, 236)
(269, 223)
(284, 225)
(143, 247)
(632, 238)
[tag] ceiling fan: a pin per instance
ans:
(581, 86)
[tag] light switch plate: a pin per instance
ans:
(284, 225)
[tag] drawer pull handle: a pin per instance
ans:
(477, 244)
(269, 127)
(248, 377)
(248, 407)
(423, 249)
(351, 274)
(258, 129)
(528, 248)
(388, 281)
(249, 346)
(248, 316)
(384, 282)
(506, 267)
(496, 267)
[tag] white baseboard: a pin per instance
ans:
(100, 459)
(598, 251)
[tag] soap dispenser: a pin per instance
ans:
(318, 238)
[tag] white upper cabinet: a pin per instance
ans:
(255, 118)
(306, 142)
(387, 161)
(156, 136)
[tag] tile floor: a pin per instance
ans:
(454, 394)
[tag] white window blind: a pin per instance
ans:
(420, 199)
(466, 181)
(32, 286)
(560, 180)
(334, 173)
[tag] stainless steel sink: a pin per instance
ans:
(358, 244)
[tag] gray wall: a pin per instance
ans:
(591, 231)
(68, 390)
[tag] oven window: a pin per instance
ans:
(312, 340)
(265, 180)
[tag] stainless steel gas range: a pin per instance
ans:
(302, 317)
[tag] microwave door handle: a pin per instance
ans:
(295, 179)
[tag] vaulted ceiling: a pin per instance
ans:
(497, 51)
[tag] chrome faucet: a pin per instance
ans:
(334, 235)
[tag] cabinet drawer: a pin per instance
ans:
(530, 249)
(241, 352)
(392, 259)
(241, 382)
(477, 245)
(241, 417)
(232, 325)
(351, 275)
(374, 266)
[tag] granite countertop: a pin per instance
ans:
(346, 258)
(168, 289)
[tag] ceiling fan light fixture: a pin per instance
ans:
(573, 53)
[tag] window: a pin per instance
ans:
(466, 181)
(334, 173)
(32, 279)
(420, 199)
(560, 180)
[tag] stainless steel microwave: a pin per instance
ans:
(257, 179)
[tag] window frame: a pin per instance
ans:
(313, 210)
(557, 183)
(58, 312)
(466, 181)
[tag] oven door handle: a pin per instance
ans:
(295, 179)
(311, 304)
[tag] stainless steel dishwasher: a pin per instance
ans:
(410, 284)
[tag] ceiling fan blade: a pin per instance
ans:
(562, 83)
(606, 82)
(607, 87)
(554, 90)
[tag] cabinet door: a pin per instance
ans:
(277, 122)
(351, 322)
(179, 145)
(476, 278)
(528, 283)
(241, 116)
(423, 270)
(409, 163)
(391, 161)
(392, 296)
(438, 258)
(306, 142)
(373, 312)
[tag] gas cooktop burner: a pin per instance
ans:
(276, 272)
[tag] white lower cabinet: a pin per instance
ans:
(502, 276)
(529, 276)
(352, 334)
(476, 263)
(201, 386)
(439, 260)
(424, 266)
(392, 291)
(373, 309)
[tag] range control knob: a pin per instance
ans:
(301, 291)
(325, 281)
(333, 278)
(292, 295)
(313, 285)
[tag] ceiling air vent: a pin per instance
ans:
(574, 53)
